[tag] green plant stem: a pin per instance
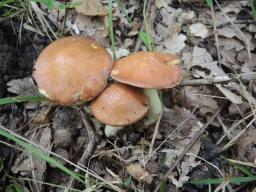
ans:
(111, 31)
(150, 47)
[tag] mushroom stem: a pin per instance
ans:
(111, 130)
(155, 106)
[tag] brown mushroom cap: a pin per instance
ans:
(72, 70)
(148, 70)
(120, 105)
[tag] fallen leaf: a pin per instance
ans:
(246, 146)
(160, 4)
(26, 164)
(199, 30)
(180, 140)
(201, 97)
(23, 87)
(228, 94)
(205, 67)
(175, 44)
(90, 8)
(229, 44)
(227, 31)
(234, 7)
(136, 171)
(120, 52)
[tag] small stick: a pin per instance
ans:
(215, 33)
(189, 146)
(91, 146)
(219, 79)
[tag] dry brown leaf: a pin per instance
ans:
(23, 87)
(246, 146)
(160, 4)
(188, 163)
(227, 31)
(229, 44)
(194, 96)
(27, 164)
(252, 28)
(233, 7)
(90, 8)
(205, 67)
(79, 24)
(175, 44)
(180, 140)
(229, 59)
(199, 30)
(136, 171)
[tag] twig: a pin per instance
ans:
(235, 139)
(189, 146)
(219, 79)
(215, 32)
(155, 134)
(91, 146)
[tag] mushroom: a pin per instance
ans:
(151, 71)
(72, 70)
(120, 105)
(148, 70)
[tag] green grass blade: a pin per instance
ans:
(111, 31)
(39, 154)
(148, 36)
(19, 99)
(13, 188)
(6, 2)
(146, 39)
(233, 180)
(241, 168)
(162, 186)
(209, 3)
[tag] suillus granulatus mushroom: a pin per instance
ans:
(72, 70)
(120, 105)
(148, 70)
(151, 71)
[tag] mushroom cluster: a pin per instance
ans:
(74, 70)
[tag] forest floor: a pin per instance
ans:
(203, 140)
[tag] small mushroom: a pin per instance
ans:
(148, 70)
(151, 71)
(72, 70)
(120, 105)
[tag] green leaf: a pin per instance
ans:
(50, 3)
(1, 164)
(155, 106)
(13, 188)
(162, 186)
(209, 3)
(128, 181)
(146, 39)
(19, 99)
(233, 180)
(241, 168)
